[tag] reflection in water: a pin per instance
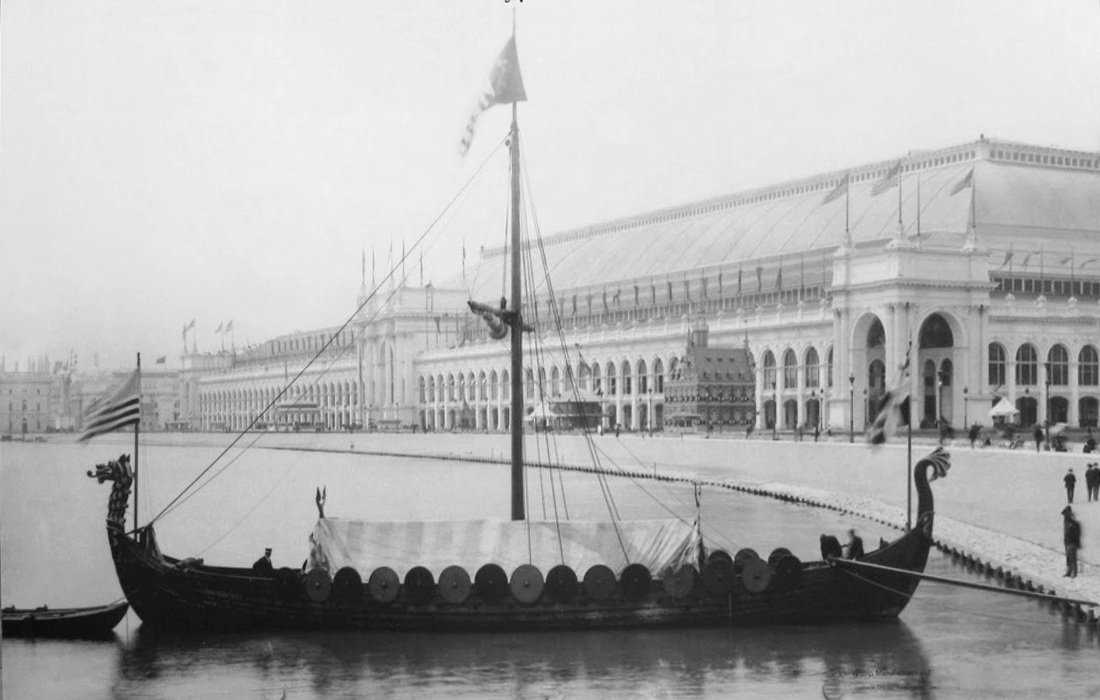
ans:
(886, 657)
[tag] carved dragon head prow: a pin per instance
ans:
(120, 473)
(939, 461)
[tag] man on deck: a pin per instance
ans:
(263, 565)
(855, 545)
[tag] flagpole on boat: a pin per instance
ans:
(137, 430)
(517, 329)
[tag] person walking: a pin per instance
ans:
(1071, 537)
(1038, 434)
(1070, 481)
(1090, 482)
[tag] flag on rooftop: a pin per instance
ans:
(890, 179)
(117, 410)
(839, 191)
(228, 326)
(219, 328)
(964, 183)
(162, 359)
(505, 85)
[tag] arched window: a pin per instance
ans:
(769, 370)
(876, 335)
(1027, 365)
(1088, 369)
(813, 369)
(1058, 358)
(643, 378)
(659, 375)
(936, 333)
(790, 369)
(626, 376)
(996, 364)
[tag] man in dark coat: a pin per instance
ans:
(830, 548)
(855, 545)
(1071, 537)
(1038, 433)
(263, 565)
(1070, 481)
(1090, 482)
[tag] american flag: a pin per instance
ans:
(118, 410)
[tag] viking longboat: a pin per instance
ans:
(517, 574)
(694, 585)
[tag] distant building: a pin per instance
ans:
(31, 402)
(710, 387)
(977, 264)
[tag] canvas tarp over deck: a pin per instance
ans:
(366, 545)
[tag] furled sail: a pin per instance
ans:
(659, 545)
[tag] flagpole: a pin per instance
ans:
(137, 431)
(847, 190)
(917, 208)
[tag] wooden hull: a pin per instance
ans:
(165, 594)
(63, 622)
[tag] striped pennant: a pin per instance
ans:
(120, 409)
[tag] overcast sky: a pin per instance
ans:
(164, 160)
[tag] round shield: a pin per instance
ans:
(777, 554)
(719, 554)
(561, 583)
(636, 580)
(347, 586)
(599, 582)
(741, 557)
(288, 583)
(788, 572)
(491, 583)
(383, 584)
(318, 585)
(719, 578)
(755, 575)
(454, 584)
(680, 583)
(526, 583)
(419, 585)
(744, 554)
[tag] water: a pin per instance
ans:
(949, 641)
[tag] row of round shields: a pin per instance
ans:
(720, 578)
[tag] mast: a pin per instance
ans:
(517, 331)
(137, 430)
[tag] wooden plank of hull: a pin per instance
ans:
(165, 595)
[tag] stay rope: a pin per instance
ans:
(332, 338)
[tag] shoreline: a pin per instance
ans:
(997, 510)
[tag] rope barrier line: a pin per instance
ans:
(389, 275)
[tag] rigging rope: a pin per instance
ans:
(336, 334)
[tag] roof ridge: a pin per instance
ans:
(983, 148)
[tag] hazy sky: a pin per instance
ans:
(163, 160)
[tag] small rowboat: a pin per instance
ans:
(97, 621)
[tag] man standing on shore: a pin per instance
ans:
(1071, 537)
(1070, 481)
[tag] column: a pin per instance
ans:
(1073, 416)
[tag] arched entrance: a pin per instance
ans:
(936, 347)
